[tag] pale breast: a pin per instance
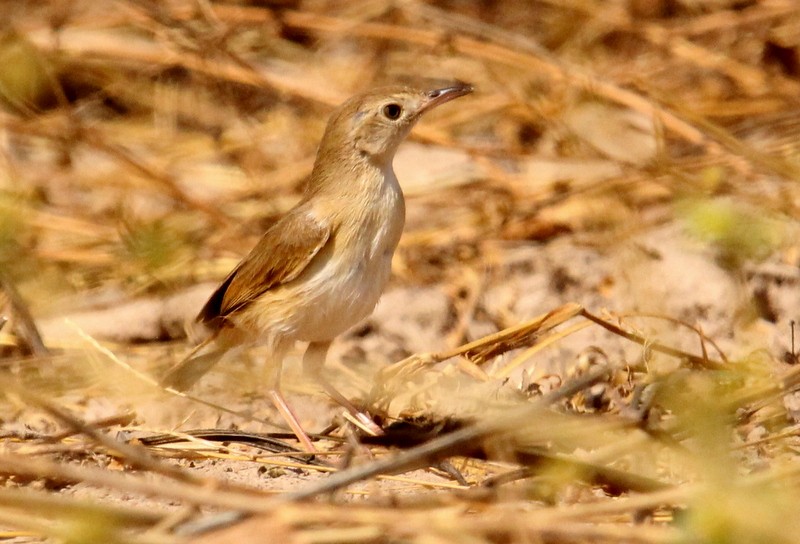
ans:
(350, 287)
(346, 280)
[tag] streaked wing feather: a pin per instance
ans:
(280, 256)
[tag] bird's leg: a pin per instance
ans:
(313, 361)
(280, 403)
(288, 416)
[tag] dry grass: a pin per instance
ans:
(144, 146)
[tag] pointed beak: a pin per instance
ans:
(440, 96)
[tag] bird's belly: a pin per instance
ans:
(342, 298)
(321, 307)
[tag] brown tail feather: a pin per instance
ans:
(186, 372)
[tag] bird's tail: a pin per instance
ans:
(191, 368)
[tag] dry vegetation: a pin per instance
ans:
(588, 336)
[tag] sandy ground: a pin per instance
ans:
(662, 272)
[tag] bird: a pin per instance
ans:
(322, 267)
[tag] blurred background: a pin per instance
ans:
(638, 157)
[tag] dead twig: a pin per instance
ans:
(26, 326)
(135, 455)
(654, 346)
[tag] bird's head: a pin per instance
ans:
(373, 124)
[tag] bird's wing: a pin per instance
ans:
(280, 256)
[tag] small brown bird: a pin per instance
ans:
(321, 268)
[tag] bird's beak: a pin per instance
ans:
(440, 96)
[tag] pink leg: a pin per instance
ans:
(291, 420)
(313, 361)
(275, 367)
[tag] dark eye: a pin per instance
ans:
(392, 111)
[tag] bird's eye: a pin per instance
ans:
(392, 111)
